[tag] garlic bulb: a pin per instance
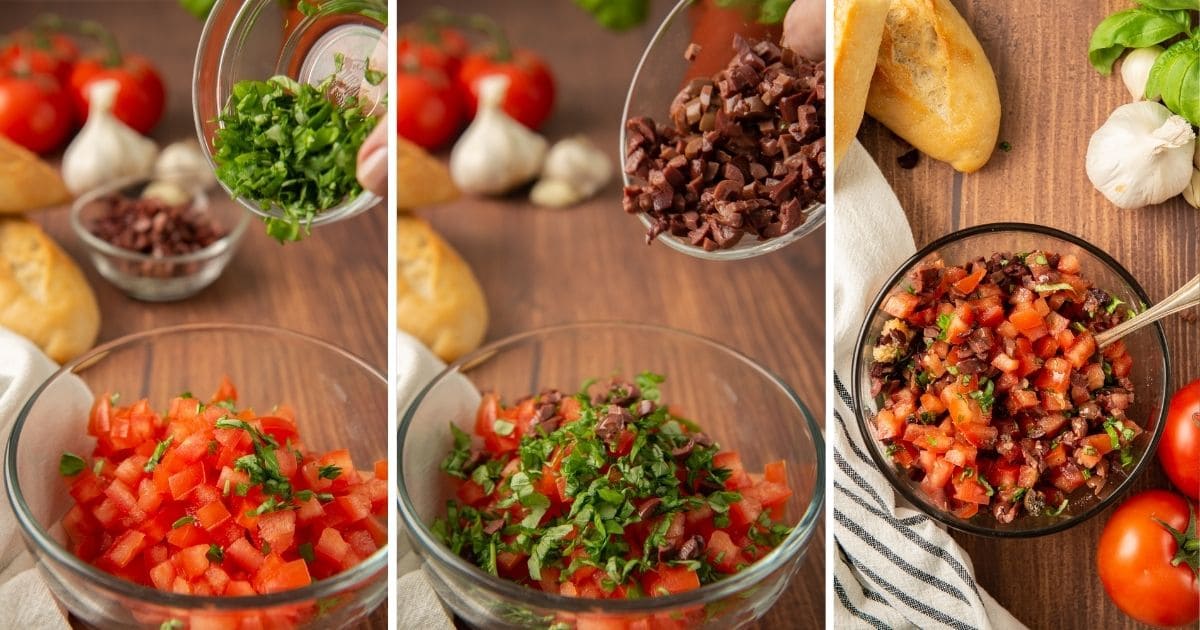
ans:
(183, 162)
(1196, 156)
(496, 153)
(1135, 70)
(166, 191)
(1191, 194)
(1141, 155)
(574, 171)
(105, 149)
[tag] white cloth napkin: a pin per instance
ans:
(417, 604)
(25, 601)
(894, 567)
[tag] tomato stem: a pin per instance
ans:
(1188, 551)
(478, 22)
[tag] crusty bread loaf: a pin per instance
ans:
(857, 31)
(26, 182)
(439, 301)
(933, 85)
(44, 297)
(421, 180)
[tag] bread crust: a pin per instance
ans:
(439, 301)
(44, 297)
(26, 182)
(858, 30)
(933, 84)
(421, 179)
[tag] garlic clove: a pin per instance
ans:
(1191, 194)
(166, 191)
(579, 162)
(184, 162)
(1135, 70)
(555, 193)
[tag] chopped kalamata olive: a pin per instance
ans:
(612, 422)
(691, 548)
(645, 408)
(646, 509)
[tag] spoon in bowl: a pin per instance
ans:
(1187, 296)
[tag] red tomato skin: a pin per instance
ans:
(34, 112)
(55, 56)
(429, 112)
(1179, 448)
(1133, 560)
(141, 95)
(531, 89)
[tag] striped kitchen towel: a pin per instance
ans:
(894, 567)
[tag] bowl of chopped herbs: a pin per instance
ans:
(284, 96)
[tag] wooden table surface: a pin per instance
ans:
(541, 267)
(1052, 102)
(332, 286)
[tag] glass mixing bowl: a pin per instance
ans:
(341, 402)
(663, 70)
(258, 39)
(1147, 346)
(740, 404)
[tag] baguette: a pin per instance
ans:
(857, 32)
(421, 180)
(44, 297)
(933, 85)
(439, 301)
(26, 182)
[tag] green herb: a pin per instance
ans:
(200, 9)
(1079, 326)
(617, 15)
(1005, 146)
(215, 553)
(173, 624)
(159, 450)
(943, 323)
(985, 397)
(892, 449)
(1126, 457)
(306, 551)
(1173, 78)
(1087, 473)
(1058, 510)
(924, 378)
(1018, 495)
(1112, 306)
(952, 370)
(98, 466)
(186, 520)
(1041, 259)
(285, 146)
(186, 395)
(1111, 429)
(908, 288)
(266, 548)
(374, 77)
(1051, 288)
(70, 465)
(329, 472)
(927, 417)
(648, 383)
(503, 428)
(769, 11)
(1132, 28)
(460, 454)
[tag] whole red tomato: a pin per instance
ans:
(530, 96)
(1179, 450)
(428, 110)
(51, 53)
(141, 96)
(34, 112)
(440, 49)
(1135, 555)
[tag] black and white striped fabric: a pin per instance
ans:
(894, 567)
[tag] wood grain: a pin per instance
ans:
(1052, 103)
(541, 267)
(332, 286)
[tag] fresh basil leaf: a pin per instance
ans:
(1175, 76)
(1171, 5)
(617, 15)
(1133, 28)
(70, 465)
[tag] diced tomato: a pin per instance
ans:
(668, 580)
(968, 283)
(888, 425)
(288, 576)
(245, 555)
(900, 305)
(277, 528)
(193, 560)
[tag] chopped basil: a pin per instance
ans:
(503, 428)
(1111, 429)
(985, 397)
(186, 520)
(215, 553)
(159, 450)
(306, 551)
(70, 465)
(1051, 288)
(1112, 306)
(943, 323)
(1058, 510)
(461, 453)
(329, 472)
(1018, 494)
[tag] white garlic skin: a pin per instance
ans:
(105, 149)
(554, 193)
(184, 162)
(1191, 194)
(577, 162)
(1141, 155)
(496, 153)
(1135, 70)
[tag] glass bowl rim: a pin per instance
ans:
(888, 469)
(814, 213)
(213, 250)
(38, 536)
(792, 547)
(349, 207)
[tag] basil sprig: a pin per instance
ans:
(1175, 75)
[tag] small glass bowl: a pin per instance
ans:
(663, 70)
(259, 39)
(743, 406)
(157, 278)
(341, 402)
(1147, 346)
